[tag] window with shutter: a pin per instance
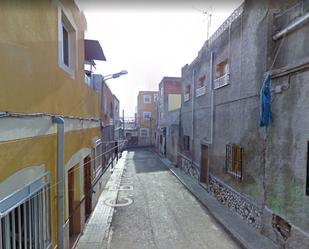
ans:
(234, 162)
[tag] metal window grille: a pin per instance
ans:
(234, 160)
(29, 224)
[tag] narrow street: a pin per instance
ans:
(163, 214)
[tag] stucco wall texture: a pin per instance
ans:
(33, 82)
(30, 70)
(274, 171)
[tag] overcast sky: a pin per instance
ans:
(149, 41)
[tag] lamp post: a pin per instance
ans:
(104, 78)
(115, 75)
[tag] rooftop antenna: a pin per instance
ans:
(207, 17)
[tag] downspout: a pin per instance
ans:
(302, 20)
(211, 98)
(193, 110)
(60, 187)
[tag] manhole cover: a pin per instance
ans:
(124, 201)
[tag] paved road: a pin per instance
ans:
(163, 215)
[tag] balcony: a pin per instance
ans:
(200, 91)
(222, 81)
(186, 97)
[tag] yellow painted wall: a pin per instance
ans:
(19, 154)
(144, 107)
(174, 102)
(31, 79)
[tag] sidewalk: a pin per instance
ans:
(246, 236)
(96, 231)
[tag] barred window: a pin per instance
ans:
(234, 155)
(28, 223)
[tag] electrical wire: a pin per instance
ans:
(51, 186)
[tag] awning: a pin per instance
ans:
(93, 51)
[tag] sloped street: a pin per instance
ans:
(163, 214)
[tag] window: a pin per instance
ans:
(147, 99)
(201, 81)
(234, 155)
(222, 68)
(29, 224)
(65, 46)
(146, 115)
(144, 132)
(222, 74)
(67, 41)
(186, 143)
(187, 94)
(201, 87)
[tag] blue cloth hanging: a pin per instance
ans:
(265, 107)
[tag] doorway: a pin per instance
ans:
(74, 207)
(87, 187)
(204, 164)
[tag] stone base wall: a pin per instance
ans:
(240, 205)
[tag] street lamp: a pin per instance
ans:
(107, 77)
(115, 75)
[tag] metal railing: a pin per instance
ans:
(200, 91)
(188, 166)
(222, 81)
(227, 23)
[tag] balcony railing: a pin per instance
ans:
(200, 91)
(222, 81)
(186, 97)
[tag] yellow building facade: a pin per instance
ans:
(147, 117)
(42, 77)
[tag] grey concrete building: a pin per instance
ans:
(263, 177)
(168, 106)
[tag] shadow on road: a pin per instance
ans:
(145, 161)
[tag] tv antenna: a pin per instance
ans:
(207, 17)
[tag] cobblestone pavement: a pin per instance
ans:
(164, 214)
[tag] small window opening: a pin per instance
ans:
(222, 68)
(234, 162)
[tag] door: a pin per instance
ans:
(74, 206)
(87, 187)
(71, 183)
(204, 164)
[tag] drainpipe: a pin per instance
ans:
(211, 98)
(60, 187)
(193, 111)
(302, 20)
